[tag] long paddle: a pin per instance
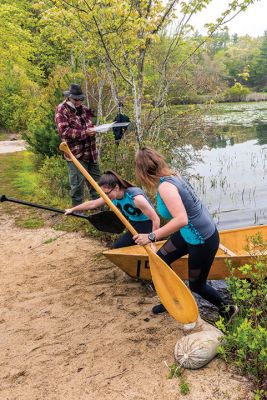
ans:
(104, 221)
(173, 293)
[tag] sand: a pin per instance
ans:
(75, 327)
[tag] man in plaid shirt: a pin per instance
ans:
(74, 121)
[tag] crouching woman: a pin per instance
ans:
(130, 200)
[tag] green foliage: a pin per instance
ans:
(245, 341)
(259, 70)
(30, 222)
(184, 388)
(54, 181)
(19, 76)
(25, 179)
(237, 92)
(50, 240)
(44, 139)
(118, 157)
(41, 134)
(175, 371)
(13, 179)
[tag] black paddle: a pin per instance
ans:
(104, 221)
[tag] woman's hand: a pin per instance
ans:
(141, 239)
(153, 247)
(68, 211)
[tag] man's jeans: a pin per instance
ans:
(77, 181)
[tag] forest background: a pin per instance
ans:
(143, 54)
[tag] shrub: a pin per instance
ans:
(237, 92)
(54, 179)
(245, 341)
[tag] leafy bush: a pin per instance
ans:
(44, 140)
(237, 92)
(245, 341)
(17, 94)
(42, 135)
(54, 179)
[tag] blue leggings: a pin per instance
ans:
(200, 259)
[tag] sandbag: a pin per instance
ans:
(196, 350)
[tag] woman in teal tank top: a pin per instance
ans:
(190, 227)
(131, 201)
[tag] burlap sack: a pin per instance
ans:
(197, 349)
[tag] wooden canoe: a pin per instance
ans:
(134, 261)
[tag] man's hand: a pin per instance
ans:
(90, 132)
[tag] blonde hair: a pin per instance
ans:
(150, 166)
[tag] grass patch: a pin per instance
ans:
(175, 371)
(4, 135)
(17, 174)
(20, 179)
(51, 240)
(30, 223)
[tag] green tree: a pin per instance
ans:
(259, 70)
(238, 56)
(19, 76)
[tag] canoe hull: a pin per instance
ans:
(133, 260)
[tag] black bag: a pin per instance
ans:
(120, 130)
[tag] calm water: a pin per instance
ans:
(232, 179)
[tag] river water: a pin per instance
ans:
(232, 179)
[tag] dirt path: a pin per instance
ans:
(11, 146)
(74, 327)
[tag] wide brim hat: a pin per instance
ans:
(75, 92)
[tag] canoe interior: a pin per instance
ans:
(134, 260)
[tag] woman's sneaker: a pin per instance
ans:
(228, 312)
(159, 309)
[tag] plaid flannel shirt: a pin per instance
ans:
(72, 130)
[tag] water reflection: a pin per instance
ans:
(229, 135)
(261, 132)
(231, 180)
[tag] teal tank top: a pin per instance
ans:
(200, 223)
(128, 208)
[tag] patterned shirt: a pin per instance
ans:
(72, 126)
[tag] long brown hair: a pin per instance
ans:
(150, 166)
(111, 179)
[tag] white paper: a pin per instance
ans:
(106, 127)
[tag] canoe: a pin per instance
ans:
(134, 261)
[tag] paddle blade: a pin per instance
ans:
(106, 221)
(173, 293)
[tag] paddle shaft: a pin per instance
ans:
(25, 203)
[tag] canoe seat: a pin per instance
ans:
(227, 251)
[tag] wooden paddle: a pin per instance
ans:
(173, 293)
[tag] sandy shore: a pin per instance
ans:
(74, 327)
